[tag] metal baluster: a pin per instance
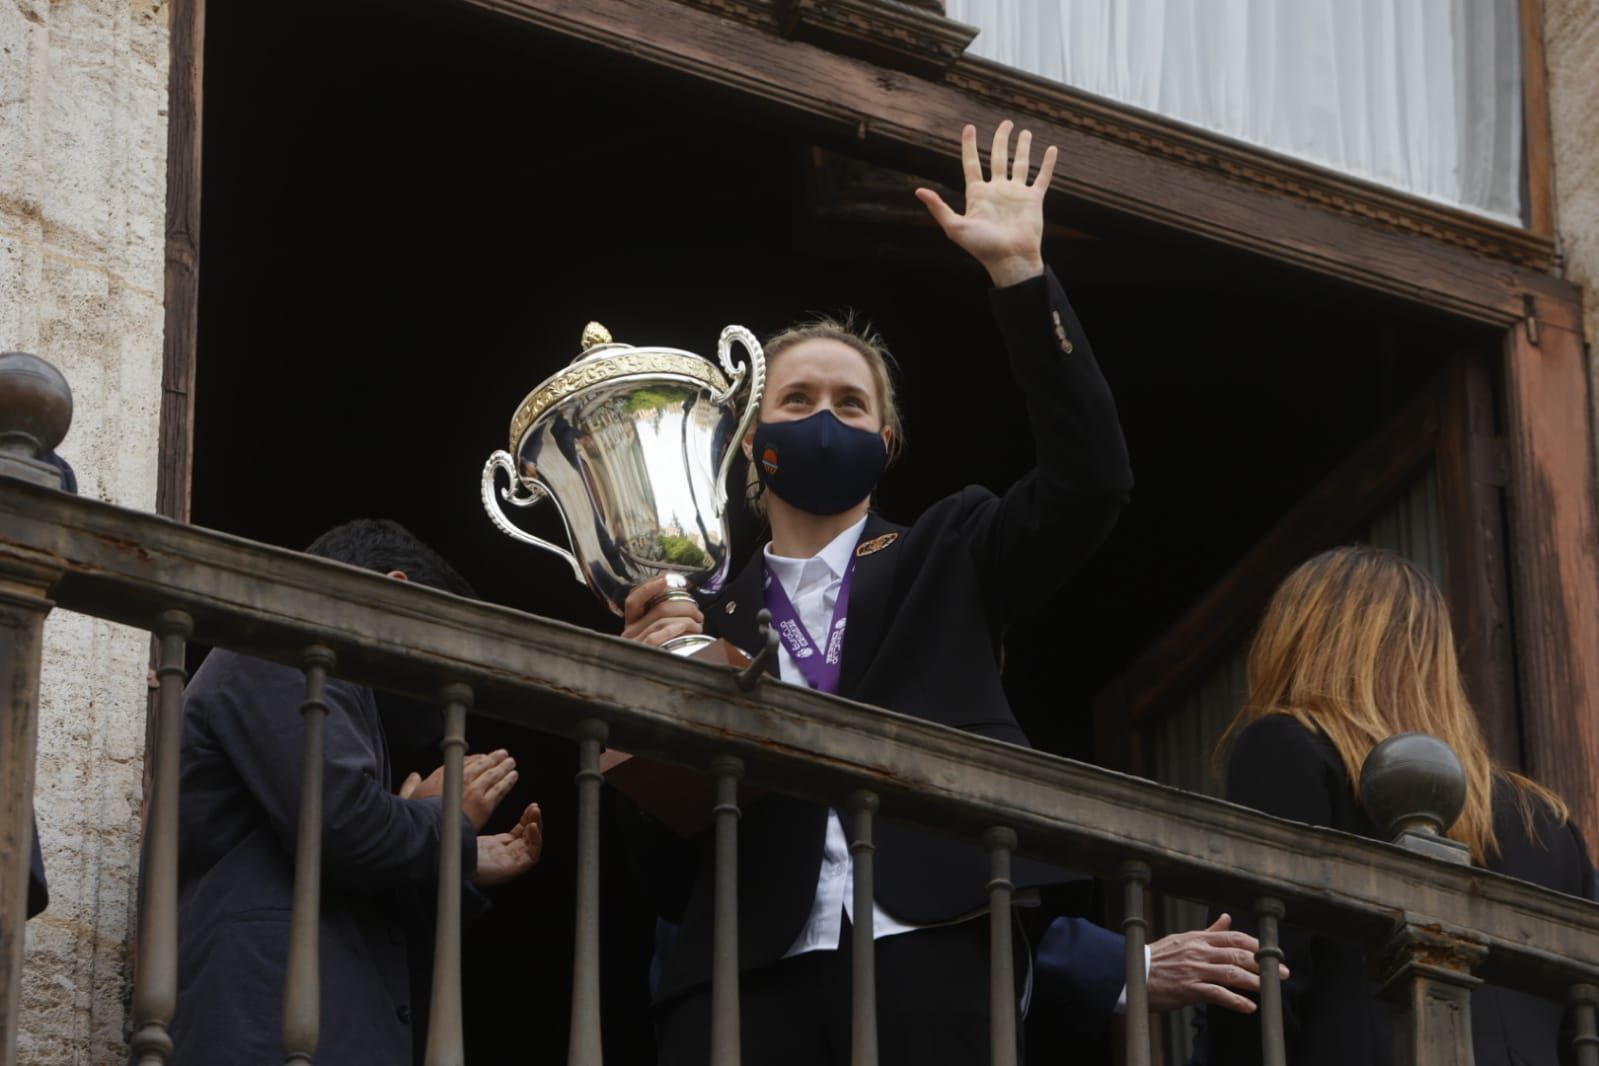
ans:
(583, 1048)
(1273, 1049)
(155, 992)
(1585, 1013)
(445, 1043)
(1000, 842)
(863, 1016)
(724, 945)
(1135, 878)
(302, 988)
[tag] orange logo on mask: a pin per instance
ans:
(769, 460)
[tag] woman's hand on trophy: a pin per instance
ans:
(1003, 227)
(650, 617)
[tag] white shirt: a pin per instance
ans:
(812, 587)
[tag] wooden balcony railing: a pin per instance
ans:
(1441, 926)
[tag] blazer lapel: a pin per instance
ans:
(876, 555)
(732, 614)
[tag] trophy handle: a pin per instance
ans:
(756, 369)
(521, 494)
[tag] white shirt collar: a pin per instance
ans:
(835, 556)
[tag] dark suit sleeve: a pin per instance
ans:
(1029, 541)
(1080, 974)
(1280, 768)
(371, 839)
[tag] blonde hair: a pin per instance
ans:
(866, 343)
(1356, 645)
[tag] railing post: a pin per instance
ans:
(1273, 1045)
(155, 990)
(1135, 879)
(446, 1046)
(302, 986)
(724, 947)
(1427, 978)
(863, 958)
(584, 1046)
(1585, 1015)
(35, 414)
(1001, 842)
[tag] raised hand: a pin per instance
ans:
(1003, 227)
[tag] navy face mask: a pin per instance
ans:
(819, 464)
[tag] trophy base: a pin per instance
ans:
(688, 644)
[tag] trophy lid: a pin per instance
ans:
(604, 359)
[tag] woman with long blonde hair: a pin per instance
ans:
(1356, 646)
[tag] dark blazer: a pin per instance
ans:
(1330, 1011)
(926, 615)
(1079, 973)
(239, 805)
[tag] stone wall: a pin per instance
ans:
(83, 108)
(1571, 44)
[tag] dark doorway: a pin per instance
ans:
(411, 210)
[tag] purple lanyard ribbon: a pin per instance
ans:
(820, 666)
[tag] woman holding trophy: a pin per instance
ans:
(926, 606)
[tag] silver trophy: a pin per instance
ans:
(632, 446)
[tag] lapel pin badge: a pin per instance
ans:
(876, 544)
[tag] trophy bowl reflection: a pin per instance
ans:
(632, 447)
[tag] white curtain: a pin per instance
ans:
(1420, 95)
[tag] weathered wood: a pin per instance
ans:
(264, 601)
(155, 984)
(863, 958)
(1269, 913)
(1536, 139)
(446, 1035)
(185, 96)
(302, 978)
(1135, 930)
(584, 1046)
(1340, 505)
(23, 606)
(1427, 978)
(1471, 487)
(725, 1035)
(1554, 570)
(897, 35)
(1154, 172)
(1002, 1046)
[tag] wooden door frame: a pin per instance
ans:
(899, 85)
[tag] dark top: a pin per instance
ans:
(239, 806)
(926, 615)
(1330, 1011)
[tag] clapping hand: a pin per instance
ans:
(507, 856)
(485, 781)
(1003, 227)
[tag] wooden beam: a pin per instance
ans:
(1471, 490)
(1536, 137)
(128, 567)
(1554, 571)
(1342, 504)
(185, 95)
(855, 98)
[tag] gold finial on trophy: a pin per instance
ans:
(594, 335)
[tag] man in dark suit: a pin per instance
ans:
(242, 737)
